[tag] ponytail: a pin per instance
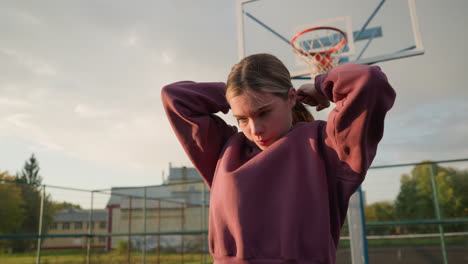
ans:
(301, 114)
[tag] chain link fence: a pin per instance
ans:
(414, 213)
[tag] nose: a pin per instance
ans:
(257, 128)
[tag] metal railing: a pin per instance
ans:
(145, 224)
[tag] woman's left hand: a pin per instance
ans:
(309, 95)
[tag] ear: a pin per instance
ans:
(292, 97)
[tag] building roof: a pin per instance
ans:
(80, 215)
(138, 203)
(118, 194)
(183, 173)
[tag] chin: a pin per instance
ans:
(262, 147)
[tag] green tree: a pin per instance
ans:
(59, 206)
(31, 195)
(30, 172)
(11, 213)
(413, 201)
(455, 200)
(380, 212)
(416, 198)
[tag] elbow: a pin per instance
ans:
(378, 82)
(376, 75)
(172, 87)
(166, 92)
(169, 91)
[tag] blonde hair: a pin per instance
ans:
(264, 73)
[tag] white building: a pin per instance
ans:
(175, 206)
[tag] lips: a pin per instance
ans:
(262, 142)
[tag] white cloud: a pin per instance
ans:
(131, 41)
(26, 17)
(18, 120)
(136, 165)
(44, 69)
(36, 65)
(21, 125)
(9, 52)
(13, 102)
(45, 145)
(135, 134)
(87, 111)
(166, 58)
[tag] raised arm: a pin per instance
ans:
(190, 108)
(355, 126)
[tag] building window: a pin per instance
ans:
(53, 226)
(102, 239)
(78, 226)
(66, 226)
(102, 225)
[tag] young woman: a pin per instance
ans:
(280, 188)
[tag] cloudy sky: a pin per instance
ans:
(80, 86)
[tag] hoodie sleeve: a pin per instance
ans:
(190, 108)
(355, 126)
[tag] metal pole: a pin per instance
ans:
(240, 30)
(201, 228)
(182, 229)
(357, 229)
(283, 38)
(129, 246)
(415, 25)
(204, 223)
(369, 19)
(90, 230)
(201, 243)
(144, 226)
(159, 230)
(438, 213)
(41, 219)
(363, 223)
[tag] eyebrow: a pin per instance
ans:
(257, 110)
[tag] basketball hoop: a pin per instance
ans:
(320, 50)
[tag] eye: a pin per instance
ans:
(241, 120)
(264, 113)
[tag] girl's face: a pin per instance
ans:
(263, 117)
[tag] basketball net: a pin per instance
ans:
(320, 48)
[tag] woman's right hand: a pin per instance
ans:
(308, 94)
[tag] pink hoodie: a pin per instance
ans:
(285, 204)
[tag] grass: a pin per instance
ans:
(418, 241)
(79, 257)
(461, 240)
(114, 257)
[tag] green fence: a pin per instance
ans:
(415, 213)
